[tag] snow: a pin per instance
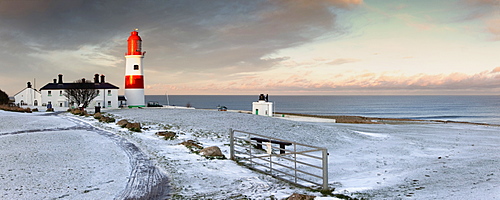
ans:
(376, 161)
(57, 164)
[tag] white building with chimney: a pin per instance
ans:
(53, 93)
(28, 97)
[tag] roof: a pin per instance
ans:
(26, 89)
(63, 86)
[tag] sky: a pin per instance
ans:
(240, 47)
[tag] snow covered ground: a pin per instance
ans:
(419, 161)
(41, 160)
(375, 161)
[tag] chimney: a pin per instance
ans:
(55, 80)
(60, 79)
(102, 78)
(29, 84)
(96, 78)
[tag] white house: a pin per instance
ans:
(263, 106)
(28, 96)
(53, 93)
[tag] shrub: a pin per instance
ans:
(4, 98)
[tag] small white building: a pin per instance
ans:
(28, 97)
(53, 93)
(263, 106)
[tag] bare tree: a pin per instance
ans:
(81, 92)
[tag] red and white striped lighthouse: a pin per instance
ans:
(134, 73)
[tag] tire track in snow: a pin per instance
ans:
(146, 181)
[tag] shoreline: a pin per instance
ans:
(378, 120)
(351, 119)
(347, 119)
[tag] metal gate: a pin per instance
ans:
(300, 164)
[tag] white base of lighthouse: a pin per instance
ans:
(262, 108)
(135, 98)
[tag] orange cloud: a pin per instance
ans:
(496, 70)
(340, 61)
(486, 82)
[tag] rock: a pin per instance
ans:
(167, 134)
(191, 144)
(296, 196)
(106, 119)
(134, 126)
(97, 115)
(122, 123)
(212, 151)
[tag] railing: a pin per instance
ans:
(302, 164)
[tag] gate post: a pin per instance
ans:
(325, 169)
(231, 144)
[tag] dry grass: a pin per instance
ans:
(14, 108)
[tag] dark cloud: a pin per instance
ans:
(180, 36)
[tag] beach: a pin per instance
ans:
(417, 160)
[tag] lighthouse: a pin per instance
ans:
(134, 73)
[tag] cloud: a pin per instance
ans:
(340, 61)
(479, 8)
(199, 39)
(485, 10)
(484, 82)
(493, 26)
(496, 70)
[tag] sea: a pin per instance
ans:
(476, 108)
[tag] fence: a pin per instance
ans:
(301, 164)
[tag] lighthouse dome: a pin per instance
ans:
(134, 44)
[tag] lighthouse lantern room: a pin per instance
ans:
(134, 72)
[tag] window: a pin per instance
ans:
(36, 103)
(50, 93)
(109, 103)
(109, 92)
(136, 67)
(98, 93)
